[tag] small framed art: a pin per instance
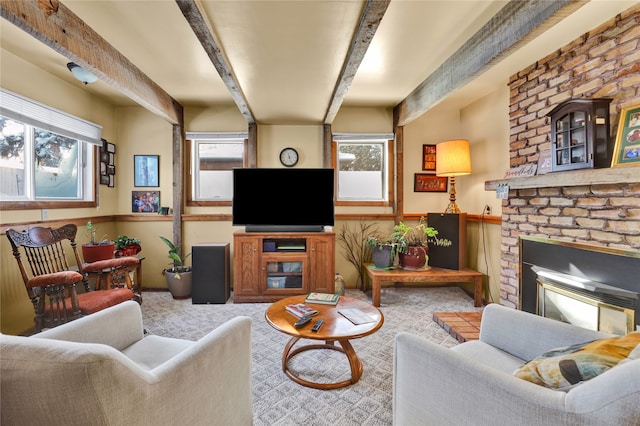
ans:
(626, 151)
(145, 201)
(429, 158)
(429, 183)
(146, 170)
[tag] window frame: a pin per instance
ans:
(191, 140)
(34, 115)
(390, 169)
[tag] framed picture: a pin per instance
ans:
(111, 170)
(430, 183)
(146, 170)
(111, 148)
(429, 158)
(145, 201)
(112, 181)
(104, 180)
(627, 148)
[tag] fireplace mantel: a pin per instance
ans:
(630, 174)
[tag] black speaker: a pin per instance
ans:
(210, 273)
(451, 226)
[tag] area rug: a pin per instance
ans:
(279, 401)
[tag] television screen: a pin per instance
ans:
(283, 199)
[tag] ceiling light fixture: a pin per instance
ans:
(81, 74)
(453, 159)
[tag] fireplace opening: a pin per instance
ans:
(584, 303)
(592, 287)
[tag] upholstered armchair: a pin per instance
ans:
(43, 256)
(102, 370)
(474, 383)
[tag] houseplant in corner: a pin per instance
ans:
(178, 276)
(96, 250)
(413, 244)
(127, 246)
(383, 252)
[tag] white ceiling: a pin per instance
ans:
(287, 55)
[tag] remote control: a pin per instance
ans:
(317, 325)
(302, 321)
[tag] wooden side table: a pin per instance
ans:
(433, 274)
(106, 278)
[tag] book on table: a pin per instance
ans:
(356, 316)
(300, 310)
(323, 298)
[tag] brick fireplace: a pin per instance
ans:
(599, 208)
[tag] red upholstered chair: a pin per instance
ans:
(51, 282)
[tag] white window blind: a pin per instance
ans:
(28, 111)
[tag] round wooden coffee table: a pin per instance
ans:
(336, 328)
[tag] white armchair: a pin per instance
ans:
(473, 383)
(102, 370)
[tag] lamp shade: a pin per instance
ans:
(453, 158)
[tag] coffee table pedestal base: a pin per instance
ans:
(346, 348)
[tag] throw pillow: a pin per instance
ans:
(564, 368)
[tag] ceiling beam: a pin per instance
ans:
(195, 16)
(52, 23)
(370, 19)
(516, 23)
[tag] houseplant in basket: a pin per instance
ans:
(413, 244)
(127, 246)
(96, 250)
(178, 276)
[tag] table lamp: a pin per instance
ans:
(453, 159)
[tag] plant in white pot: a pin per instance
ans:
(178, 276)
(96, 250)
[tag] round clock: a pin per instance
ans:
(289, 157)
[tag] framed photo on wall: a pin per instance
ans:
(627, 148)
(145, 201)
(430, 183)
(146, 172)
(429, 158)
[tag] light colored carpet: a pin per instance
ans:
(279, 401)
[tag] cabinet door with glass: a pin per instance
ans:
(285, 274)
(580, 134)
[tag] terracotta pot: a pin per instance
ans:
(383, 256)
(95, 252)
(179, 284)
(414, 259)
(130, 250)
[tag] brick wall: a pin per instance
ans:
(604, 62)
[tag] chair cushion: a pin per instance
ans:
(151, 351)
(564, 368)
(56, 278)
(95, 301)
(119, 262)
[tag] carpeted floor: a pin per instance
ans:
(279, 401)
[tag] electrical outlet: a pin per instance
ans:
(45, 214)
(487, 209)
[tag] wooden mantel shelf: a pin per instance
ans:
(630, 174)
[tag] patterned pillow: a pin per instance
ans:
(564, 368)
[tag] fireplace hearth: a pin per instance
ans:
(591, 287)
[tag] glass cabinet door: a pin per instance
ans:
(285, 273)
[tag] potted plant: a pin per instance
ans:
(127, 246)
(413, 244)
(178, 276)
(383, 252)
(96, 250)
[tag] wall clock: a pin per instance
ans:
(289, 157)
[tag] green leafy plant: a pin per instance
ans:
(377, 242)
(177, 261)
(92, 231)
(124, 241)
(420, 235)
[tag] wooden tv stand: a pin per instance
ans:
(269, 266)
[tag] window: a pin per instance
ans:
(44, 157)
(363, 168)
(213, 157)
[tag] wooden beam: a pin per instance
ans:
(516, 23)
(327, 146)
(370, 19)
(195, 16)
(178, 143)
(56, 26)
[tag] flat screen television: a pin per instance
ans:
(283, 200)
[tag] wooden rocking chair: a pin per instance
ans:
(51, 282)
